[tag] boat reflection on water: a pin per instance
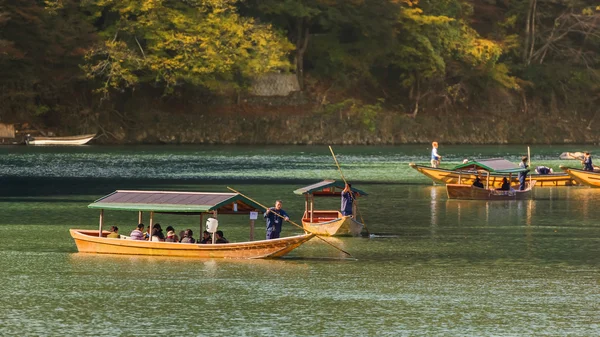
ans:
(93, 262)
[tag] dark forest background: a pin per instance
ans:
(369, 71)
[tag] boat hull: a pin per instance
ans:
(587, 178)
(88, 241)
(465, 192)
(73, 140)
(345, 225)
(443, 176)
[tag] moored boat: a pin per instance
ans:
(328, 222)
(181, 203)
(466, 175)
(484, 168)
(588, 178)
(466, 192)
(70, 140)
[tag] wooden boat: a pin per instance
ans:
(71, 140)
(88, 241)
(465, 175)
(328, 222)
(485, 168)
(588, 178)
(466, 192)
(182, 203)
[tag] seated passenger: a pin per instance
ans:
(114, 233)
(505, 185)
(206, 238)
(187, 237)
(220, 238)
(171, 237)
(138, 233)
(171, 229)
(543, 170)
(478, 183)
(157, 233)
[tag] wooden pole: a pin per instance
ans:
(151, 224)
(290, 221)
(529, 164)
(251, 230)
(101, 222)
(345, 182)
(140, 217)
(201, 232)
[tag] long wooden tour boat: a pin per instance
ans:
(182, 203)
(70, 140)
(483, 170)
(328, 222)
(466, 192)
(465, 174)
(588, 178)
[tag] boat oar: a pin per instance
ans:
(351, 195)
(290, 221)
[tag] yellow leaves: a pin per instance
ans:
(483, 51)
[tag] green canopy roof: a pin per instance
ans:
(326, 187)
(176, 202)
(497, 165)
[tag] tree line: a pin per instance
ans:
(59, 58)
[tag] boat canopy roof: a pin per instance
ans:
(176, 202)
(498, 165)
(326, 188)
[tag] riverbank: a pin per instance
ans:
(309, 124)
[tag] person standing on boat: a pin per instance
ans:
(435, 157)
(275, 217)
(587, 162)
(523, 175)
(348, 198)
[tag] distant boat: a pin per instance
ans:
(485, 167)
(466, 192)
(328, 222)
(589, 178)
(71, 140)
(465, 174)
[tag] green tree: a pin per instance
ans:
(200, 42)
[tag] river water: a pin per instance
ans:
(431, 266)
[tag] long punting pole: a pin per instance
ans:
(290, 221)
(351, 195)
(529, 164)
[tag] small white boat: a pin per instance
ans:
(71, 140)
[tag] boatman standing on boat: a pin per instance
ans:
(587, 162)
(523, 175)
(435, 157)
(275, 217)
(348, 198)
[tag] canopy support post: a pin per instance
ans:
(101, 223)
(214, 234)
(312, 207)
(140, 217)
(201, 220)
(151, 224)
(252, 230)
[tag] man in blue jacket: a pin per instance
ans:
(523, 175)
(275, 217)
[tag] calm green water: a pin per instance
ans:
(431, 266)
